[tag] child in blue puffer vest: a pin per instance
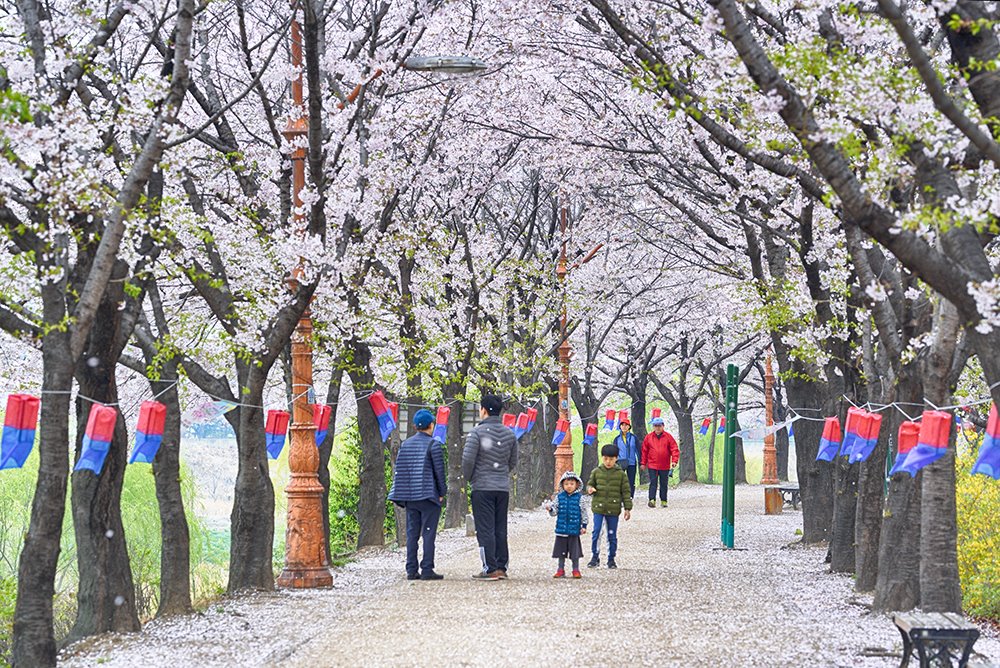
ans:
(571, 521)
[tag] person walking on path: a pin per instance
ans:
(659, 455)
(489, 456)
(419, 485)
(609, 486)
(628, 452)
(571, 523)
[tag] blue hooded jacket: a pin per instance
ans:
(628, 449)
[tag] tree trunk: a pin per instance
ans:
(711, 443)
(590, 455)
(940, 588)
(106, 594)
(897, 585)
(685, 432)
(868, 522)
(845, 503)
(781, 439)
(815, 478)
(371, 489)
(175, 551)
(251, 550)
(34, 639)
(741, 463)
(458, 499)
(395, 441)
(326, 451)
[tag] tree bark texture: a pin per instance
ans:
(175, 552)
(251, 550)
(106, 594)
(34, 639)
(845, 502)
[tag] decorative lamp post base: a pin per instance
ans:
(564, 460)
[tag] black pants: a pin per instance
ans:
(658, 475)
(489, 509)
(630, 471)
(421, 522)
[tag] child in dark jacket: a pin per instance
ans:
(571, 521)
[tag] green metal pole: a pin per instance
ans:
(729, 468)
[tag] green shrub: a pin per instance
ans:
(345, 468)
(978, 506)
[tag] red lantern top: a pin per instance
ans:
(152, 418)
(443, 414)
(509, 420)
(101, 423)
(22, 411)
(321, 416)
(592, 429)
(277, 422)
(935, 428)
(909, 432)
(831, 430)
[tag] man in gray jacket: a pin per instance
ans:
(489, 456)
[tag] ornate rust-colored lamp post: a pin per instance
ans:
(770, 476)
(773, 501)
(306, 564)
(564, 451)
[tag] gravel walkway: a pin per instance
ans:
(674, 601)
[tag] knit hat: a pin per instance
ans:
(569, 475)
(423, 419)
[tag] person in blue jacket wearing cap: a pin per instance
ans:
(628, 452)
(420, 486)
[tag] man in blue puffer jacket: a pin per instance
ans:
(420, 486)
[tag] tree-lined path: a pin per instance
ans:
(674, 601)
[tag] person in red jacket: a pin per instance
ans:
(659, 455)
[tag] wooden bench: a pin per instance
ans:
(790, 494)
(939, 637)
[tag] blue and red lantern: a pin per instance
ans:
(275, 430)
(532, 418)
(19, 424)
(722, 426)
(383, 413)
(609, 419)
(562, 428)
(655, 413)
(521, 426)
(851, 427)
(509, 420)
(441, 425)
(829, 443)
(988, 462)
(148, 432)
(97, 438)
(867, 438)
(705, 424)
(906, 440)
(590, 435)
(321, 418)
(622, 417)
(932, 442)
